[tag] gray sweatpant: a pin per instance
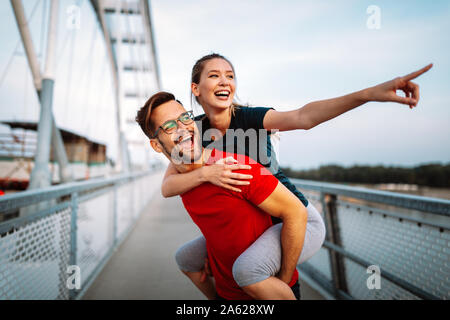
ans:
(263, 258)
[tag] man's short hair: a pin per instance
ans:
(143, 117)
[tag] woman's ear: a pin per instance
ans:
(156, 145)
(194, 89)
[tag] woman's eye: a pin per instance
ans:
(231, 77)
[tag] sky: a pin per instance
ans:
(289, 53)
(83, 91)
(285, 54)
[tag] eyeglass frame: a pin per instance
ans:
(191, 114)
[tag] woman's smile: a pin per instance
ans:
(217, 84)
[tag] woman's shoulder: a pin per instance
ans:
(250, 117)
(251, 110)
(200, 117)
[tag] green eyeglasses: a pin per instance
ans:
(170, 126)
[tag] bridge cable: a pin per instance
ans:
(135, 67)
(14, 53)
(43, 29)
(70, 71)
(89, 61)
(101, 99)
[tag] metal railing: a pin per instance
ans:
(406, 238)
(77, 225)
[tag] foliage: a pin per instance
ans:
(431, 175)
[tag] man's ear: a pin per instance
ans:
(156, 145)
(194, 88)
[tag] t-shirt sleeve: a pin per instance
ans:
(261, 186)
(253, 117)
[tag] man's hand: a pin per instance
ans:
(387, 91)
(284, 277)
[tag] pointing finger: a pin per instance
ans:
(417, 73)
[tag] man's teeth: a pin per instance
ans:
(187, 138)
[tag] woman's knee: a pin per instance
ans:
(261, 260)
(191, 256)
(246, 273)
(182, 259)
(318, 223)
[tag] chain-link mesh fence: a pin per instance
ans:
(416, 252)
(37, 249)
(411, 248)
(33, 259)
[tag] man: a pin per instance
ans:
(230, 221)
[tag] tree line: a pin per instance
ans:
(432, 175)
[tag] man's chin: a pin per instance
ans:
(194, 158)
(188, 157)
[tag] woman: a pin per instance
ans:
(213, 86)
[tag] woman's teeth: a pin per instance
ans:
(222, 93)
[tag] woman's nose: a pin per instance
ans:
(223, 80)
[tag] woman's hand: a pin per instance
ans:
(387, 91)
(221, 174)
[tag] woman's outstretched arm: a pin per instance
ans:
(317, 112)
(220, 173)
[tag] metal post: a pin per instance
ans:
(65, 173)
(40, 176)
(115, 216)
(150, 39)
(333, 235)
(124, 152)
(45, 99)
(115, 64)
(73, 236)
(126, 161)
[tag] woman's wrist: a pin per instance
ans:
(203, 174)
(366, 95)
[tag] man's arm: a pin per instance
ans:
(317, 112)
(284, 204)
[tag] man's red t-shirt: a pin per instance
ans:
(231, 221)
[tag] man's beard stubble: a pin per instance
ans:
(179, 157)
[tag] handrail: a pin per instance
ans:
(426, 204)
(17, 200)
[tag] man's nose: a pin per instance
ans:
(181, 124)
(181, 127)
